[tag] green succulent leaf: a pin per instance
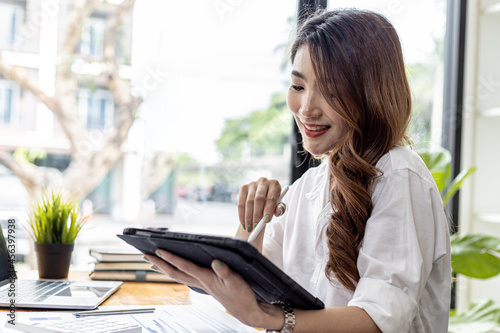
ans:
(475, 255)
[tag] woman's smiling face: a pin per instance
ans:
(321, 127)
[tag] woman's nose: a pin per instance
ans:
(311, 105)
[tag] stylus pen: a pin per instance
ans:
(261, 223)
(112, 312)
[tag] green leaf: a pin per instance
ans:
(55, 219)
(475, 255)
(262, 132)
(439, 164)
(481, 317)
(457, 183)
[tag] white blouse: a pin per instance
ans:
(404, 259)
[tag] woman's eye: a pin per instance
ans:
(296, 88)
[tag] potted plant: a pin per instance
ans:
(55, 222)
(473, 255)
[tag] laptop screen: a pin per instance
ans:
(6, 269)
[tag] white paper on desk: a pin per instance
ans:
(26, 317)
(166, 319)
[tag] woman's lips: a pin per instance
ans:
(314, 131)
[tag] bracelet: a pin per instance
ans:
(289, 319)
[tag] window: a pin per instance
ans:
(10, 94)
(96, 108)
(11, 22)
(213, 115)
(92, 40)
(215, 101)
(423, 53)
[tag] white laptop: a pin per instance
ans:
(49, 294)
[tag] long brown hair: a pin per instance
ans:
(358, 63)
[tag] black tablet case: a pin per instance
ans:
(269, 283)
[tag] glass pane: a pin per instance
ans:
(217, 106)
(213, 115)
(8, 105)
(422, 44)
(93, 36)
(11, 22)
(9, 100)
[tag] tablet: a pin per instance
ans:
(270, 284)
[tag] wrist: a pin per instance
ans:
(274, 318)
(282, 319)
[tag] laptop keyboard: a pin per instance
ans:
(34, 291)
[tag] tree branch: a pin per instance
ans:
(81, 11)
(126, 104)
(21, 77)
(22, 170)
(119, 87)
(156, 168)
(89, 165)
(85, 174)
(66, 80)
(27, 173)
(93, 168)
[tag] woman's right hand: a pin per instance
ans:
(258, 200)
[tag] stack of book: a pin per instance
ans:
(124, 265)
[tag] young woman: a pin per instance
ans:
(365, 231)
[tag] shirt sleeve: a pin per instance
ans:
(405, 234)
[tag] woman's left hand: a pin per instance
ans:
(228, 287)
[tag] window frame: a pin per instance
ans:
(97, 96)
(18, 8)
(301, 160)
(15, 99)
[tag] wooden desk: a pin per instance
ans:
(149, 293)
(133, 293)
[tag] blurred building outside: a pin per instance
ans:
(31, 33)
